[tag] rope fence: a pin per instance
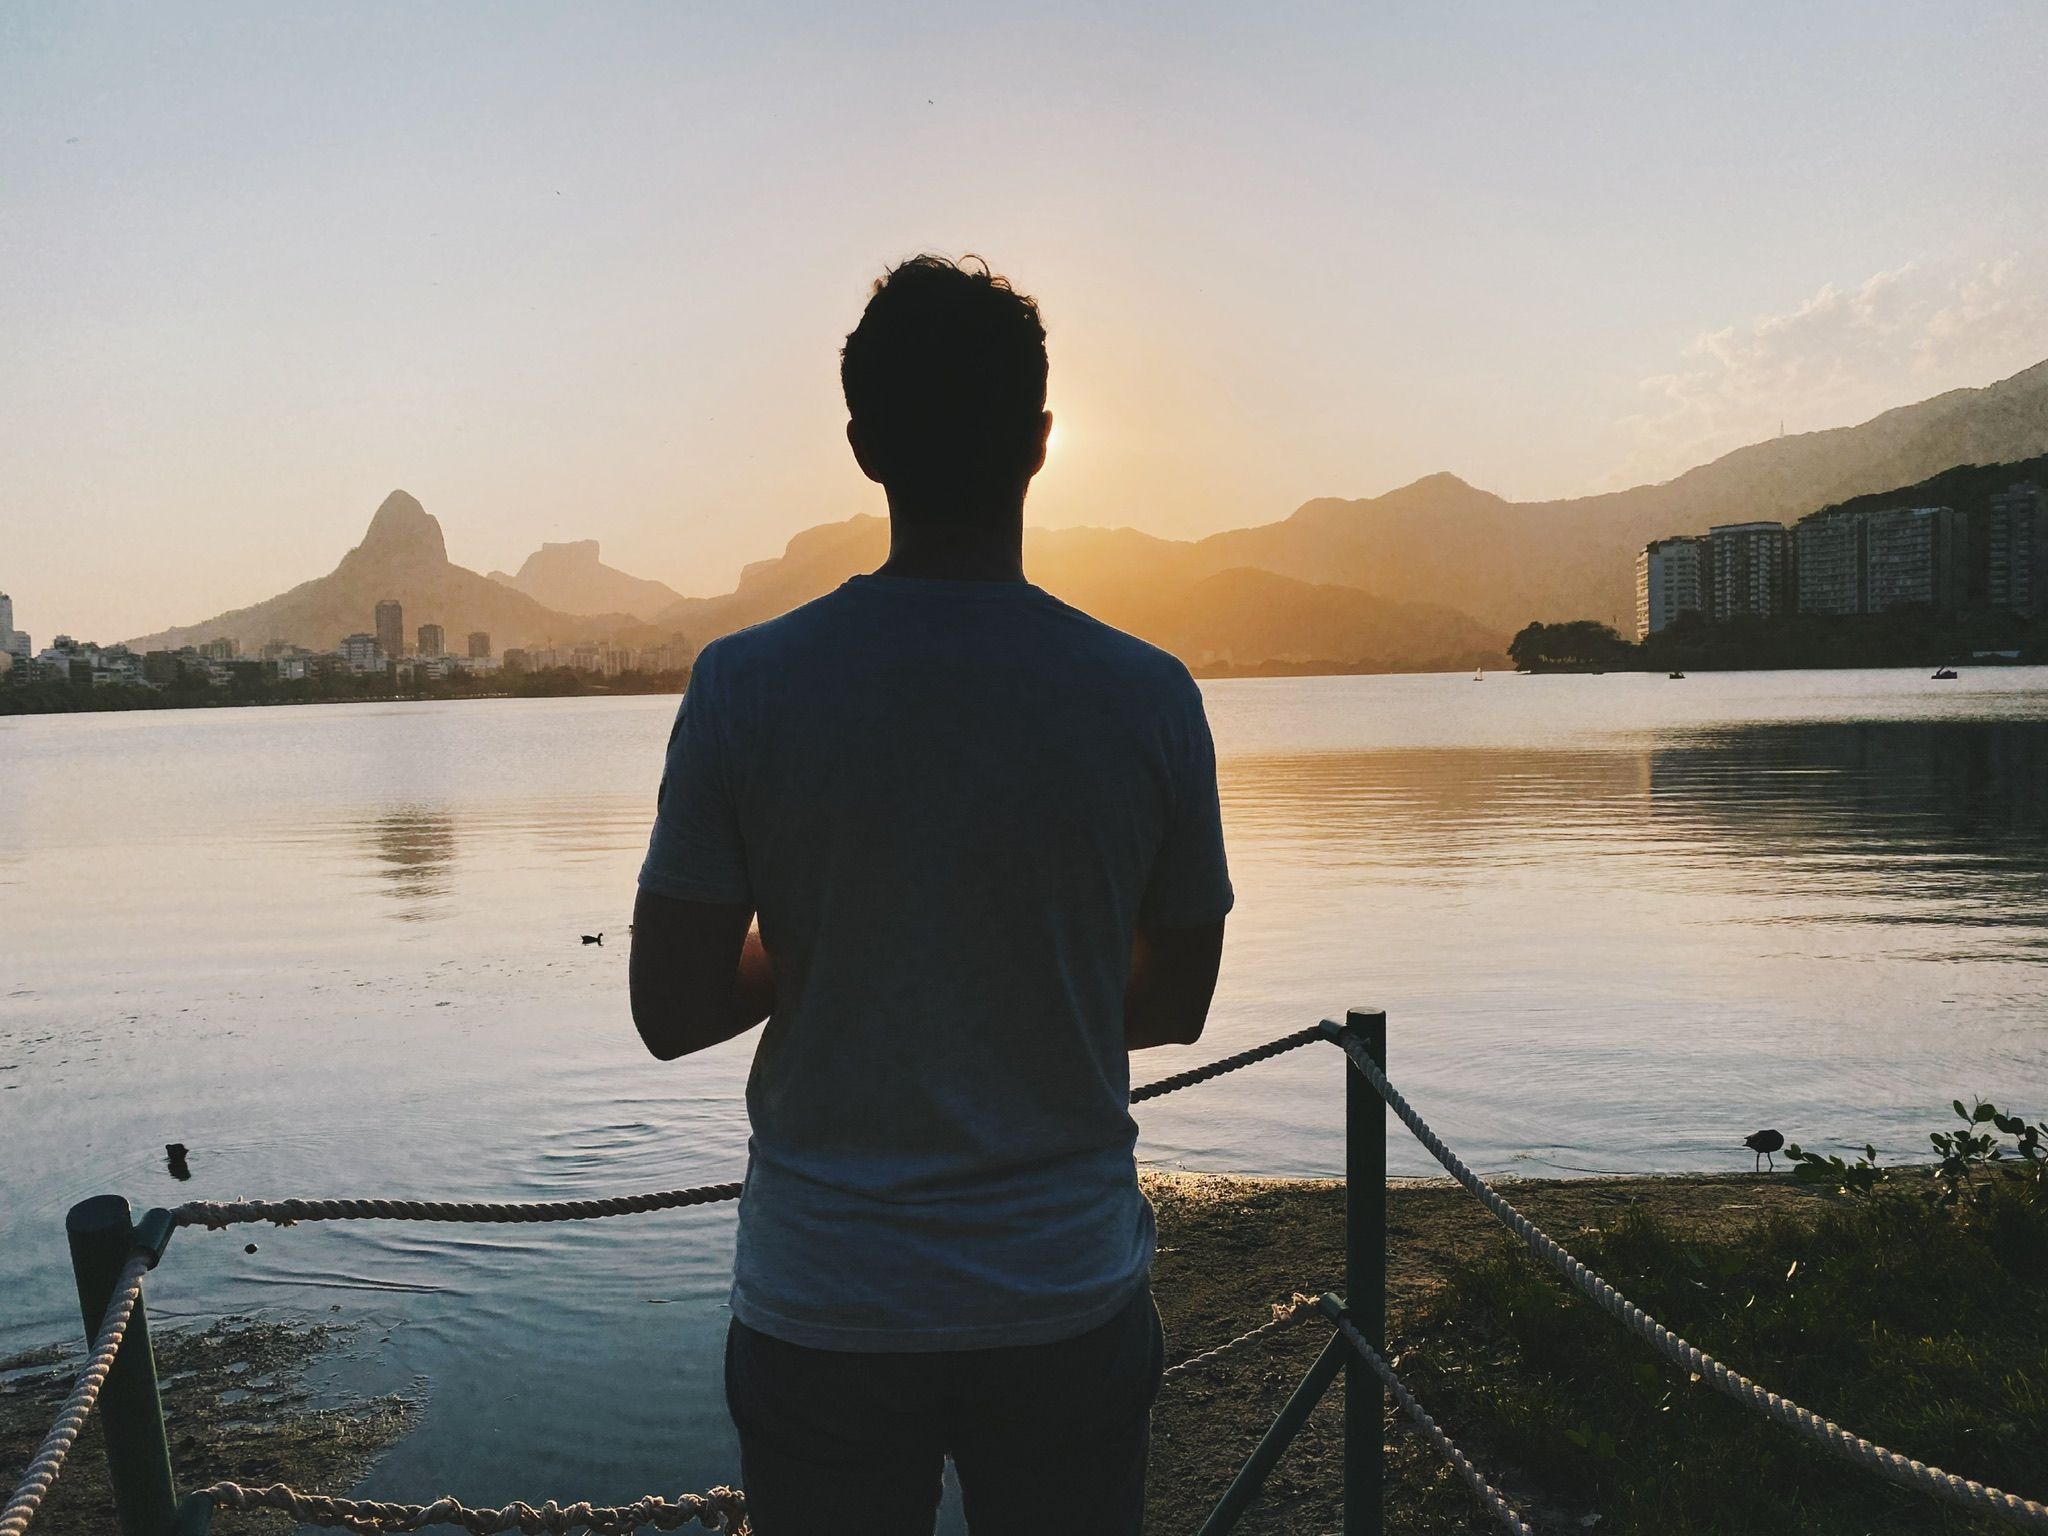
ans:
(1830, 1436)
(1299, 1308)
(49, 1458)
(216, 1215)
(724, 1509)
(1490, 1497)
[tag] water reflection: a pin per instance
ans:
(1968, 783)
(1878, 821)
(414, 852)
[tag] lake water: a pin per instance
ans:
(1618, 922)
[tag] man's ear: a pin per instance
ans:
(862, 454)
(1044, 440)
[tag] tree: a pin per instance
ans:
(1580, 644)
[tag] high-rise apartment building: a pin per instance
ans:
(1673, 576)
(1913, 555)
(12, 640)
(2016, 550)
(431, 641)
(1751, 567)
(362, 652)
(391, 629)
(479, 645)
(1829, 559)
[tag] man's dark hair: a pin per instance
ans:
(945, 376)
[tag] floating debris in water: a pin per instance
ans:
(174, 1159)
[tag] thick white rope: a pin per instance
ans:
(217, 1214)
(1286, 1314)
(225, 1213)
(1822, 1432)
(49, 1458)
(1241, 1060)
(1495, 1502)
(721, 1509)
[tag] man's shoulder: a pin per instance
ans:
(1123, 652)
(800, 626)
(782, 647)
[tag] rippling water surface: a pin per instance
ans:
(1617, 923)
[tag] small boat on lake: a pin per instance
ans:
(1676, 677)
(1944, 675)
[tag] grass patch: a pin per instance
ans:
(1921, 1326)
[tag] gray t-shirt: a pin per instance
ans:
(950, 802)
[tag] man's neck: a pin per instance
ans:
(960, 545)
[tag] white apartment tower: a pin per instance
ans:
(1672, 577)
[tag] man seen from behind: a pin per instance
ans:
(959, 845)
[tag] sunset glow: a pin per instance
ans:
(265, 265)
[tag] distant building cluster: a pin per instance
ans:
(602, 657)
(379, 650)
(1852, 562)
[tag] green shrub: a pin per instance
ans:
(1914, 1313)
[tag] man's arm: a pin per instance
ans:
(1173, 976)
(699, 974)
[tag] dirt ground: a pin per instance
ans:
(235, 1397)
(1229, 1248)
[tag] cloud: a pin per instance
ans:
(1840, 357)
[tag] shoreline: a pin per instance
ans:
(1230, 1247)
(156, 704)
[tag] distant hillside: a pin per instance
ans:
(402, 556)
(569, 578)
(1439, 546)
(1236, 620)
(1967, 487)
(1435, 574)
(1442, 541)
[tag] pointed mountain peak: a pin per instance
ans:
(404, 529)
(1442, 490)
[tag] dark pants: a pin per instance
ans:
(1041, 1435)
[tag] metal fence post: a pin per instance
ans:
(1279, 1435)
(131, 1414)
(1365, 1278)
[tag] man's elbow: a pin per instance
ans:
(664, 1026)
(1146, 1031)
(659, 1036)
(1186, 1030)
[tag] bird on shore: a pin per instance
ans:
(593, 938)
(1763, 1144)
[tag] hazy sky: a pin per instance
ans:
(583, 271)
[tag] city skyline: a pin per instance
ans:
(591, 284)
(1850, 560)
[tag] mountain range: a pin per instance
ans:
(1433, 575)
(1446, 545)
(404, 556)
(571, 579)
